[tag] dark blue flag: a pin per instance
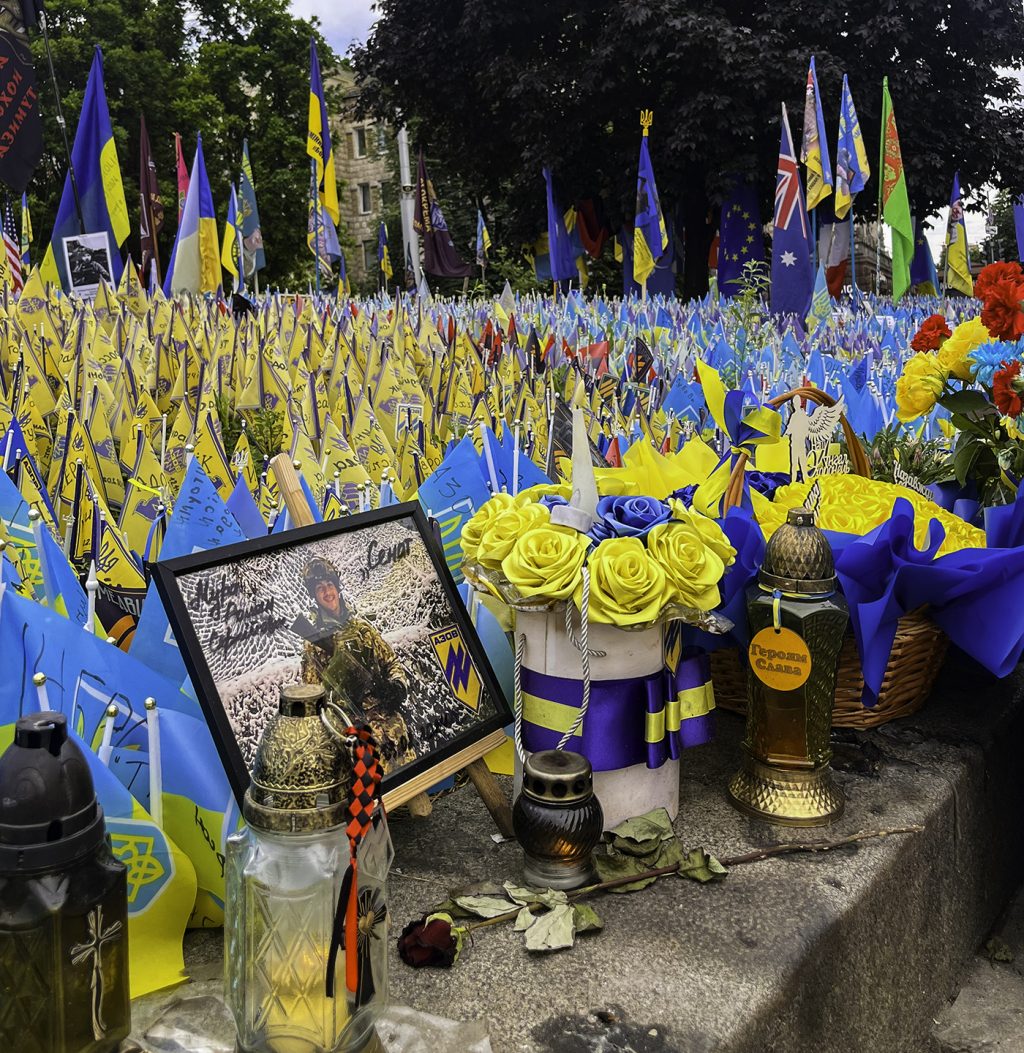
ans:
(740, 240)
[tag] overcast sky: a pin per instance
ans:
(346, 21)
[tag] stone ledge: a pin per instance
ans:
(850, 950)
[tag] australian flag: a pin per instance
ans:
(792, 273)
(739, 237)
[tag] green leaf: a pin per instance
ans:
(485, 906)
(643, 834)
(613, 865)
(548, 897)
(969, 400)
(967, 453)
(553, 931)
(702, 866)
(586, 918)
(524, 919)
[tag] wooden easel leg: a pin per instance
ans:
(420, 806)
(492, 795)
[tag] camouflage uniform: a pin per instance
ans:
(362, 672)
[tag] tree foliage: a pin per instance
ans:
(503, 89)
(229, 69)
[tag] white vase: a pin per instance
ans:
(615, 721)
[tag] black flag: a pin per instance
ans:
(440, 257)
(21, 128)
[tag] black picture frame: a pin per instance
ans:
(166, 574)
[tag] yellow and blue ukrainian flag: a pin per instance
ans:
(814, 148)
(318, 138)
(100, 190)
(195, 258)
(383, 256)
(852, 168)
(958, 261)
(650, 236)
(230, 247)
(26, 235)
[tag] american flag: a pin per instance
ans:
(788, 197)
(12, 248)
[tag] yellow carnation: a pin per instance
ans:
(966, 337)
(693, 568)
(627, 587)
(504, 530)
(484, 516)
(547, 561)
(920, 386)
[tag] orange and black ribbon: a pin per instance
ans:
(362, 802)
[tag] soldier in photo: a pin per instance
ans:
(355, 663)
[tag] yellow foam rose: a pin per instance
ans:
(693, 568)
(502, 532)
(539, 490)
(547, 561)
(965, 338)
(483, 517)
(627, 586)
(853, 505)
(709, 530)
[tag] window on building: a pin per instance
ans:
(359, 142)
(365, 198)
(382, 138)
(370, 256)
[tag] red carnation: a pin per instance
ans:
(995, 273)
(931, 334)
(1002, 314)
(1006, 389)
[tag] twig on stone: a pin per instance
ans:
(814, 846)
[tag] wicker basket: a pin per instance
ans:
(917, 650)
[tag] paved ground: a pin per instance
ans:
(857, 949)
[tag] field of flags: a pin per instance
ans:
(138, 422)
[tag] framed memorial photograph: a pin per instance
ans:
(87, 259)
(364, 605)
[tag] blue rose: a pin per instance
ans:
(628, 517)
(550, 501)
(767, 482)
(685, 494)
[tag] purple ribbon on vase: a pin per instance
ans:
(633, 720)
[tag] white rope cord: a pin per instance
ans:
(583, 647)
(518, 699)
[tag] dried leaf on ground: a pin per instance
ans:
(553, 931)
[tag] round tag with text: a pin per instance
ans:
(780, 659)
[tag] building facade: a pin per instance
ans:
(362, 150)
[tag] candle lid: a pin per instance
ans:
(300, 774)
(49, 815)
(557, 777)
(798, 558)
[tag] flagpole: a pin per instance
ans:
(314, 203)
(881, 187)
(60, 120)
(853, 257)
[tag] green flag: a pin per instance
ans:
(895, 204)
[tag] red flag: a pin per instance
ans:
(182, 175)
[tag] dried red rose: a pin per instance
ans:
(995, 273)
(1002, 314)
(430, 941)
(1006, 390)
(931, 334)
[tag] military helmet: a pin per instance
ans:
(319, 570)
